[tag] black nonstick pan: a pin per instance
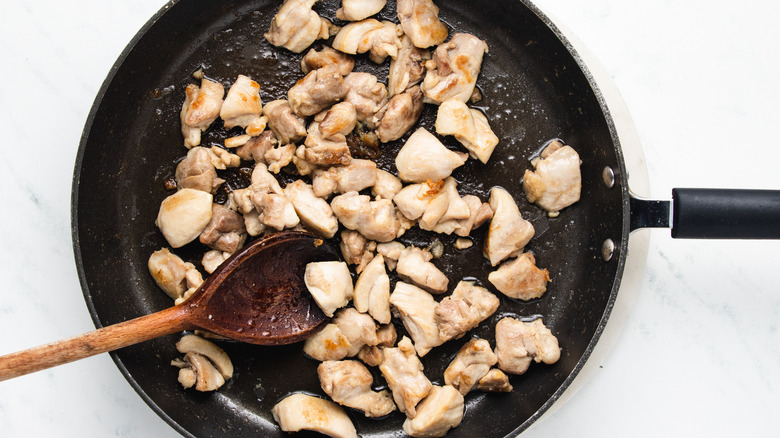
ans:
(534, 89)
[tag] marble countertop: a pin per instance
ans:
(697, 347)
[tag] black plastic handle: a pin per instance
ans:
(725, 214)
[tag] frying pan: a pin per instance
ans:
(535, 89)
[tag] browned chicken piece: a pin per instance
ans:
(201, 107)
(296, 26)
(391, 251)
(509, 233)
(556, 183)
(301, 165)
(418, 314)
(222, 159)
(354, 177)
(299, 411)
(327, 344)
(183, 216)
(372, 355)
(348, 383)
(263, 182)
(279, 157)
(226, 231)
(256, 147)
(359, 328)
(205, 366)
(454, 69)
(457, 210)
(315, 59)
(330, 284)
(367, 95)
(414, 266)
(379, 38)
(174, 276)
(375, 220)
(372, 291)
(356, 10)
(315, 213)
(403, 372)
(401, 114)
(420, 21)
(479, 213)
(387, 185)
(242, 106)
(471, 364)
(318, 90)
(196, 171)
(278, 212)
(423, 157)
(341, 118)
(425, 199)
(407, 69)
(495, 381)
(469, 126)
(441, 410)
(353, 245)
(325, 151)
(520, 278)
(285, 124)
(460, 312)
(519, 342)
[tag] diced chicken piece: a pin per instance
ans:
(279, 157)
(464, 309)
(367, 95)
(330, 284)
(356, 176)
(462, 243)
(471, 364)
(317, 59)
(423, 157)
(375, 220)
(172, 274)
(387, 185)
(339, 119)
(454, 69)
(256, 147)
(278, 212)
(222, 159)
(407, 69)
(197, 172)
(318, 90)
(495, 381)
(518, 342)
(315, 213)
(418, 314)
(299, 411)
(356, 250)
(509, 233)
(213, 259)
(263, 182)
(285, 124)
(242, 106)
(457, 210)
(183, 216)
(520, 278)
(556, 183)
(415, 267)
(391, 251)
(440, 411)
(327, 344)
(296, 26)
(479, 213)
(326, 151)
(356, 10)
(348, 383)
(372, 354)
(379, 38)
(301, 165)
(226, 231)
(420, 21)
(205, 365)
(469, 126)
(416, 200)
(402, 112)
(359, 328)
(201, 107)
(372, 291)
(403, 372)
(254, 226)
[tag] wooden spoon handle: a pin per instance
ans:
(105, 339)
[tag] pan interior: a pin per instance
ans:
(533, 91)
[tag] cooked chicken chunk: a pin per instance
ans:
(318, 90)
(320, 150)
(375, 220)
(279, 157)
(222, 159)
(242, 106)
(226, 231)
(330, 284)
(278, 212)
(469, 126)
(372, 291)
(414, 266)
(458, 210)
(403, 372)
(339, 119)
(183, 215)
(407, 69)
(354, 177)
(299, 411)
(425, 199)
(402, 112)
(520, 278)
(509, 233)
(557, 182)
(327, 344)
(197, 172)
(518, 342)
(263, 182)
(420, 21)
(285, 124)
(471, 364)
(372, 354)
(356, 10)
(212, 259)
(295, 26)
(359, 328)
(172, 274)
(256, 147)
(418, 314)
(387, 185)
(479, 213)
(495, 381)
(379, 38)
(204, 366)
(356, 249)
(423, 157)
(348, 383)
(317, 59)
(367, 95)
(391, 251)
(464, 309)
(201, 107)
(315, 213)
(440, 411)
(454, 69)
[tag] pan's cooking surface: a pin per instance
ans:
(533, 91)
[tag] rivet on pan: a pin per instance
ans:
(607, 250)
(608, 175)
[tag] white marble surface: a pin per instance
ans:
(699, 352)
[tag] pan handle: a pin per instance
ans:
(712, 213)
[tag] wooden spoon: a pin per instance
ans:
(256, 296)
